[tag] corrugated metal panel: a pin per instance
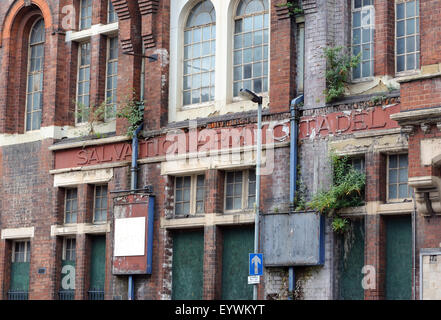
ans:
(293, 239)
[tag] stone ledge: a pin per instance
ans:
(427, 72)
(17, 233)
(209, 219)
(80, 228)
(417, 115)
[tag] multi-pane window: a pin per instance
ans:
(83, 87)
(21, 251)
(251, 38)
(189, 195)
(34, 92)
(357, 164)
(111, 14)
(85, 14)
(240, 190)
(407, 35)
(199, 54)
(363, 37)
(69, 252)
(100, 207)
(398, 187)
(111, 77)
(71, 206)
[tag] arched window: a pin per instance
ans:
(199, 54)
(251, 35)
(34, 91)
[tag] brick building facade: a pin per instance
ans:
(62, 185)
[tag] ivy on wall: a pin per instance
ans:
(346, 191)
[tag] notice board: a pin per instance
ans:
(133, 234)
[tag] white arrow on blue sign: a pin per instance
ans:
(256, 264)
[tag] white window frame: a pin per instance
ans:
(231, 65)
(394, 200)
(193, 194)
(64, 253)
(78, 78)
(109, 37)
(223, 96)
(94, 203)
(65, 202)
(109, 4)
(27, 78)
(210, 101)
(371, 43)
(245, 192)
(416, 34)
(27, 252)
(80, 26)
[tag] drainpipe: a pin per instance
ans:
(293, 176)
(134, 168)
(414, 213)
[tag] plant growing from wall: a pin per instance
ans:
(301, 191)
(133, 111)
(93, 115)
(293, 6)
(338, 69)
(346, 191)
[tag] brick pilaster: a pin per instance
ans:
(282, 56)
(82, 267)
(375, 255)
(212, 263)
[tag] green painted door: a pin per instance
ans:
(238, 243)
(398, 258)
(188, 265)
(20, 267)
(98, 263)
(20, 276)
(352, 262)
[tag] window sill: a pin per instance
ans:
(86, 34)
(241, 211)
(197, 106)
(378, 207)
(209, 219)
(362, 80)
(80, 228)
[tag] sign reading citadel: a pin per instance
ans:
(347, 122)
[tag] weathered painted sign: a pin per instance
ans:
(347, 122)
(133, 234)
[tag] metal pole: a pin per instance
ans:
(258, 161)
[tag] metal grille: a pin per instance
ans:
(96, 294)
(66, 295)
(17, 295)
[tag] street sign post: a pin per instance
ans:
(256, 264)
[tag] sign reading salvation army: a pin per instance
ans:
(173, 143)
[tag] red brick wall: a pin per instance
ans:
(384, 38)
(421, 94)
(375, 254)
(282, 72)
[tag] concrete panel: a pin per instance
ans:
(293, 239)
